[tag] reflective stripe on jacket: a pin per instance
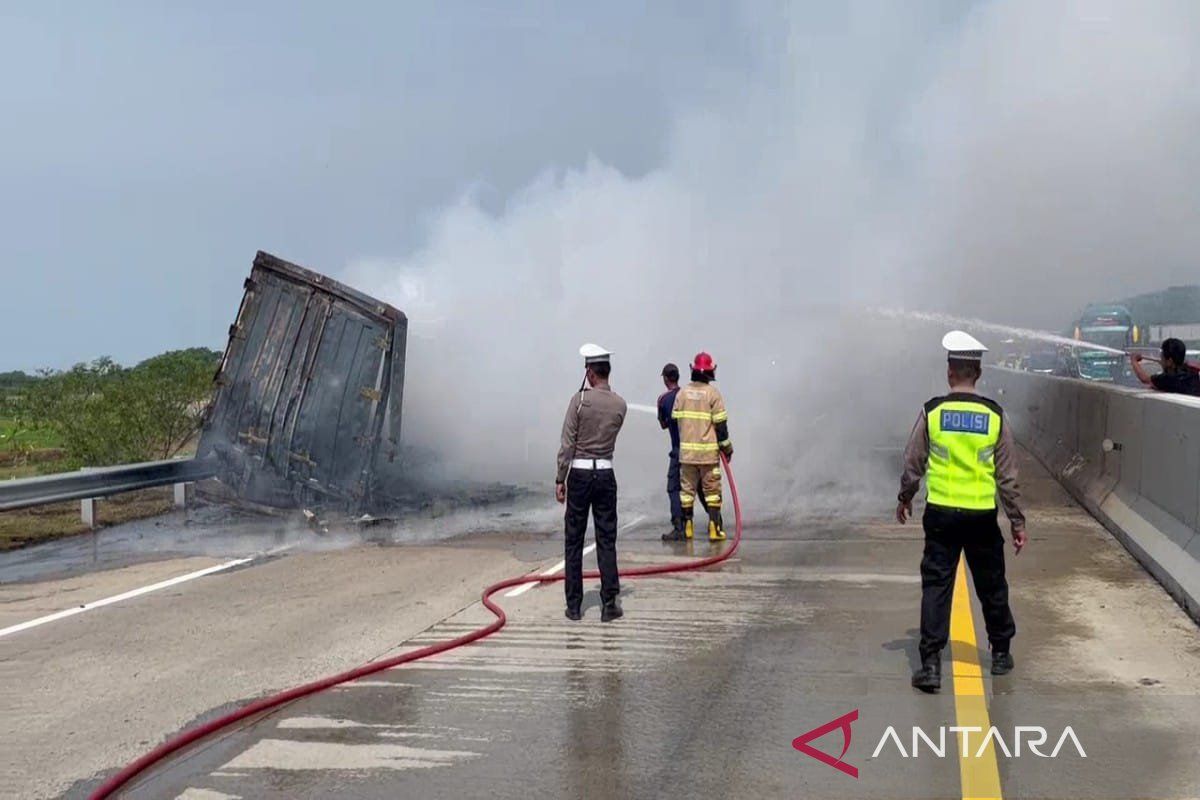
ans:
(963, 433)
(700, 411)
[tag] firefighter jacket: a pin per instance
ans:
(703, 424)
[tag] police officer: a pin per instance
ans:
(963, 444)
(585, 480)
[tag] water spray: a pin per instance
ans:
(949, 320)
(1014, 332)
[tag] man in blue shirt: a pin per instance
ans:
(666, 403)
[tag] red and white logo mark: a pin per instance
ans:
(801, 743)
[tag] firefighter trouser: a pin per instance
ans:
(674, 488)
(594, 489)
(949, 533)
(701, 481)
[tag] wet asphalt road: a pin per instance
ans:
(701, 689)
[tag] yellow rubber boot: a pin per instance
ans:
(689, 530)
(715, 534)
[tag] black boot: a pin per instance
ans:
(611, 610)
(929, 677)
(1002, 662)
(574, 614)
(676, 534)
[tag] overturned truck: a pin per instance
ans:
(306, 408)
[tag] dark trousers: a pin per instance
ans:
(673, 487)
(595, 490)
(949, 533)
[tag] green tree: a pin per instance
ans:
(108, 414)
(14, 380)
(172, 391)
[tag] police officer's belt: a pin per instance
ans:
(591, 463)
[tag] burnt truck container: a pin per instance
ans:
(307, 400)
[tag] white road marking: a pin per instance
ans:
(206, 794)
(108, 601)
(368, 684)
(329, 723)
(286, 754)
(525, 587)
(632, 522)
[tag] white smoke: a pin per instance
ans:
(1014, 164)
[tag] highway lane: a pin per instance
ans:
(85, 694)
(702, 688)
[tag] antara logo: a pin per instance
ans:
(1032, 737)
(801, 743)
(1036, 737)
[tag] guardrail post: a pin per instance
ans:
(181, 493)
(87, 511)
(87, 507)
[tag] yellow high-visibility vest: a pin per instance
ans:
(963, 431)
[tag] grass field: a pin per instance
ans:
(32, 525)
(41, 455)
(15, 438)
(98, 413)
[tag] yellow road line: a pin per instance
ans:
(980, 775)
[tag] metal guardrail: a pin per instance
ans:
(101, 482)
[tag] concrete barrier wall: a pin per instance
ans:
(1132, 458)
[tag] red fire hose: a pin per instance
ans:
(135, 768)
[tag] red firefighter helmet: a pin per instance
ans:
(703, 362)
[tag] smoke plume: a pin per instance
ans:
(1012, 161)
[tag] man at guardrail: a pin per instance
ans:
(963, 444)
(1177, 376)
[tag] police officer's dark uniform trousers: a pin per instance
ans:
(963, 441)
(593, 420)
(595, 489)
(949, 533)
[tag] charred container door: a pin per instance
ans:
(308, 395)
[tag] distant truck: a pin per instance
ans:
(306, 408)
(1110, 326)
(1054, 360)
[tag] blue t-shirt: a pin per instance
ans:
(666, 404)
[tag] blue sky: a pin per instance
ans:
(152, 148)
(1009, 160)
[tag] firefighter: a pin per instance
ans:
(703, 432)
(585, 481)
(963, 445)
